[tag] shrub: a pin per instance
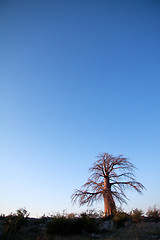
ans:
(92, 213)
(153, 212)
(67, 226)
(120, 217)
(88, 224)
(2, 216)
(71, 215)
(136, 215)
(22, 213)
(14, 222)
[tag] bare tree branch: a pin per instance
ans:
(109, 178)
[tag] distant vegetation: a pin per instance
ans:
(133, 225)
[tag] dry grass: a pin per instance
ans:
(140, 231)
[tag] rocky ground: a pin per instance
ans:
(35, 229)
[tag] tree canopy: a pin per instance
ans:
(110, 177)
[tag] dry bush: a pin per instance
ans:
(68, 226)
(153, 212)
(120, 217)
(137, 215)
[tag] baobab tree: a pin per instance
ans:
(109, 178)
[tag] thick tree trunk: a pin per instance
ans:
(109, 204)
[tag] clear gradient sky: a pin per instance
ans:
(77, 78)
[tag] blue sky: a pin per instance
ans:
(77, 78)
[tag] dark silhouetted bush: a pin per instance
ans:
(68, 226)
(153, 213)
(14, 222)
(120, 217)
(137, 215)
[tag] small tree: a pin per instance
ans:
(110, 176)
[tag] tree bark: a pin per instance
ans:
(109, 204)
